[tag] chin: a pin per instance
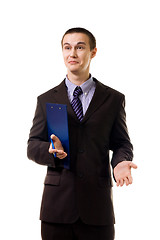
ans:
(74, 69)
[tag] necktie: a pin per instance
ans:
(76, 103)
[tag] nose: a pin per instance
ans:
(73, 53)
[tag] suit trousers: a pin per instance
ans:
(76, 231)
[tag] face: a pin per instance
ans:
(76, 52)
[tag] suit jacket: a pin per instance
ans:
(85, 190)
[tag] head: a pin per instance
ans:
(78, 47)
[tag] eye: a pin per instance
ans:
(80, 47)
(67, 47)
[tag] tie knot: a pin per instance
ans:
(77, 92)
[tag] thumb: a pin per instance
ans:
(55, 138)
(132, 165)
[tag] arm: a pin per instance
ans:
(122, 148)
(38, 143)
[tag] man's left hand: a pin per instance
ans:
(122, 173)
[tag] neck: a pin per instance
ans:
(78, 79)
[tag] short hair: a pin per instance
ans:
(92, 40)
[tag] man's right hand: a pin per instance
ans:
(59, 150)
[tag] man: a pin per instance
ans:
(77, 203)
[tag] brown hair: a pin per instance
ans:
(92, 40)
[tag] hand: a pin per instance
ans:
(59, 150)
(122, 173)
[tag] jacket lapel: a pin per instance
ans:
(97, 100)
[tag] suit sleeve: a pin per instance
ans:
(120, 142)
(38, 144)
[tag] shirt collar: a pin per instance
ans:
(86, 86)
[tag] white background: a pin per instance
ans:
(128, 59)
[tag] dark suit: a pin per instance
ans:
(85, 190)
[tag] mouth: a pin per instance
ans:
(72, 62)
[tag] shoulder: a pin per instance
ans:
(50, 93)
(109, 90)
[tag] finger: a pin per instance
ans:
(118, 183)
(54, 138)
(130, 179)
(61, 154)
(53, 150)
(50, 149)
(126, 180)
(132, 165)
(121, 182)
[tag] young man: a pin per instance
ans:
(77, 203)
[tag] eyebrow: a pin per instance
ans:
(79, 43)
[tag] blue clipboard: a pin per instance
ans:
(57, 122)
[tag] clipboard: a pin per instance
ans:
(57, 123)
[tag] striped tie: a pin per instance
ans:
(76, 103)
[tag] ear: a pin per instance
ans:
(94, 51)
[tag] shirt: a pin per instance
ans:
(88, 89)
